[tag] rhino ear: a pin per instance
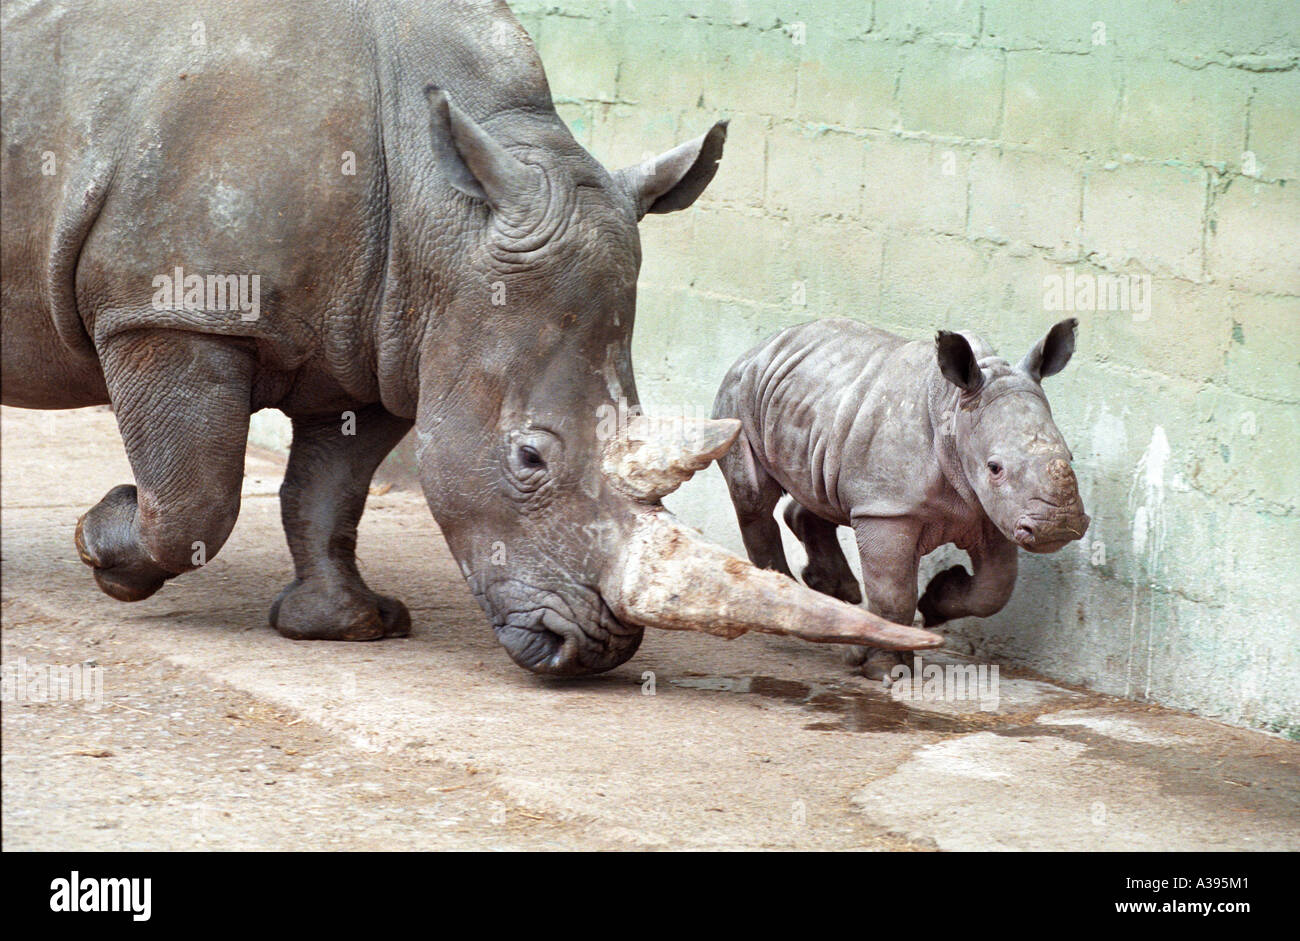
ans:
(957, 361)
(1052, 352)
(472, 161)
(675, 179)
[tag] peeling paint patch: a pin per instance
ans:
(1109, 435)
(1147, 498)
(1147, 504)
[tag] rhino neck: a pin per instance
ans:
(945, 402)
(483, 58)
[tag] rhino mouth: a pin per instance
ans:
(554, 634)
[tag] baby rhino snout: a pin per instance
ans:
(1059, 518)
(1047, 534)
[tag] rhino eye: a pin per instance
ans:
(525, 461)
(995, 468)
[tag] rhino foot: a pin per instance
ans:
(316, 610)
(954, 580)
(875, 663)
(106, 542)
(841, 585)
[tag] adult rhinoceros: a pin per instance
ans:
(431, 249)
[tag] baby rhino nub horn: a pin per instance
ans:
(653, 458)
(668, 578)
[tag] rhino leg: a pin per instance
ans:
(827, 570)
(888, 550)
(955, 593)
(181, 402)
(321, 502)
(754, 493)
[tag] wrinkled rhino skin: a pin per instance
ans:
(219, 141)
(912, 444)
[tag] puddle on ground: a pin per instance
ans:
(844, 709)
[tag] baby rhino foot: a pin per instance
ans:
(950, 581)
(841, 585)
(106, 542)
(317, 610)
(874, 663)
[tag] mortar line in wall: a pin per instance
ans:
(1205, 226)
(1084, 179)
(880, 276)
(1002, 99)
(966, 222)
(1121, 65)
(895, 93)
(1250, 107)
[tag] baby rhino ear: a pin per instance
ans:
(1052, 352)
(957, 361)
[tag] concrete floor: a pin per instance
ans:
(215, 733)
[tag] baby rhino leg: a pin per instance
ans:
(827, 570)
(887, 548)
(754, 494)
(955, 593)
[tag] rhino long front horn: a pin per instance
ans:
(668, 578)
(651, 459)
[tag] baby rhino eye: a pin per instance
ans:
(995, 468)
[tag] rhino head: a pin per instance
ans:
(1009, 448)
(551, 509)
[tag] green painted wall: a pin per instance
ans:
(930, 164)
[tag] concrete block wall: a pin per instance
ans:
(933, 164)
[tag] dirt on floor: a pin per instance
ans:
(197, 727)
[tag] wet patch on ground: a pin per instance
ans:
(839, 708)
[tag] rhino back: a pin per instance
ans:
(277, 140)
(838, 412)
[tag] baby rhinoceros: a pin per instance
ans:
(914, 446)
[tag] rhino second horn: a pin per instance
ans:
(652, 459)
(667, 577)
